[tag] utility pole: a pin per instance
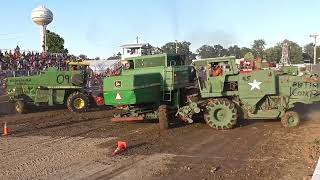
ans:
(137, 39)
(315, 47)
(176, 46)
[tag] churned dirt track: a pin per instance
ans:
(57, 144)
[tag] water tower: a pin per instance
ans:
(42, 16)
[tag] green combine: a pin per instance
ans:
(149, 87)
(52, 87)
(162, 86)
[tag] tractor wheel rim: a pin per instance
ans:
(18, 108)
(291, 120)
(220, 115)
(78, 103)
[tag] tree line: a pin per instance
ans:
(297, 54)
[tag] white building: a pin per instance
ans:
(134, 50)
(128, 50)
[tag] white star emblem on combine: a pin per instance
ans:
(255, 85)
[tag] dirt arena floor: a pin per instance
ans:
(57, 144)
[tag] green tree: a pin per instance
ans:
(249, 56)
(309, 49)
(183, 48)
(115, 56)
(295, 53)
(156, 50)
(244, 51)
(234, 51)
(258, 48)
(55, 43)
(206, 51)
(220, 51)
(82, 56)
(274, 53)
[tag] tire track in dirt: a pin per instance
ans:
(44, 158)
(57, 123)
(56, 127)
(38, 116)
(116, 170)
(36, 155)
(35, 144)
(59, 131)
(45, 141)
(56, 157)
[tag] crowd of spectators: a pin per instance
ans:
(97, 77)
(21, 63)
(16, 62)
(30, 61)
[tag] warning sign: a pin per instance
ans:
(118, 97)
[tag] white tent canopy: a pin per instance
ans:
(103, 64)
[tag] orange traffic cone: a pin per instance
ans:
(121, 147)
(5, 130)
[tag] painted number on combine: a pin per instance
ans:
(61, 78)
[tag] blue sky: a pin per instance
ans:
(99, 27)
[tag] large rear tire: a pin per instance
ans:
(221, 114)
(19, 107)
(163, 117)
(78, 102)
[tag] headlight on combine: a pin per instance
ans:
(12, 91)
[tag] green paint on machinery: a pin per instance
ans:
(51, 87)
(146, 83)
(158, 86)
(257, 94)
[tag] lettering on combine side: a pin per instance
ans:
(20, 81)
(305, 85)
(306, 93)
(306, 89)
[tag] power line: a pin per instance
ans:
(315, 47)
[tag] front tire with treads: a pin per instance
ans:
(290, 119)
(19, 107)
(221, 114)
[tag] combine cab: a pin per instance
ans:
(52, 87)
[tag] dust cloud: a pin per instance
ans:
(308, 112)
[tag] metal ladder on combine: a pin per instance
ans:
(166, 95)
